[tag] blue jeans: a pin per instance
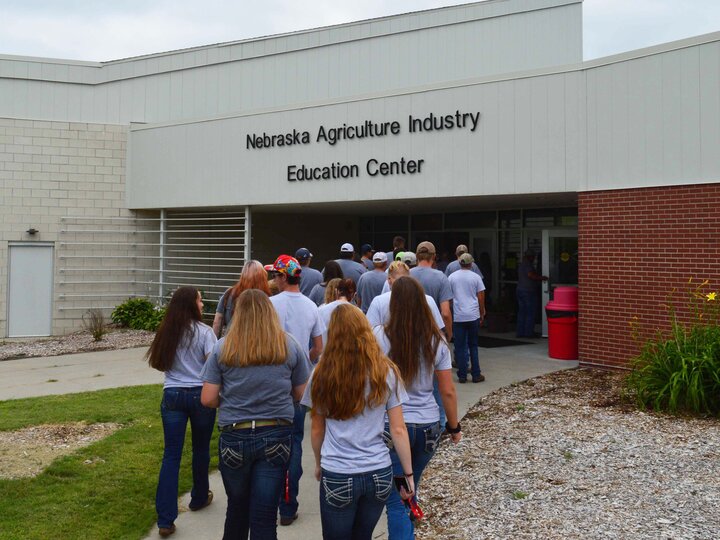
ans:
(466, 339)
(351, 504)
(527, 306)
(424, 439)
(289, 508)
(252, 465)
(178, 406)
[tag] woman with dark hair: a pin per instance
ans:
(418, 349)
(350, 392)
(180, 347)
(332, 270)
(253, 276)
(253, 375)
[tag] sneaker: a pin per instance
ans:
(479, 378)
(206, 503)
(462, 381)
(288, 520)
(167, 531)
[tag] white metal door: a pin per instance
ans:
(30, 284)
(559, 264)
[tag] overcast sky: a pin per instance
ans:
(104, 30)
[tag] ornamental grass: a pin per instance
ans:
(679, 371)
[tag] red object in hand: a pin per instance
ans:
(287, 487)
(416, 513)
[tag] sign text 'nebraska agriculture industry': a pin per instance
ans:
(367, 129)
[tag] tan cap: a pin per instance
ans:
(462, 248)
(466, 259)
(425, 247)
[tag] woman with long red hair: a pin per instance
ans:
(253, 276)
(352, 389)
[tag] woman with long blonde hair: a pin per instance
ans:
(415, 345)
(252, 376)
(253, 276)
(351, 390)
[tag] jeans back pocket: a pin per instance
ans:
(277, 450)
(432, 437)
(338, 491)
(231, 453)
(383, 484)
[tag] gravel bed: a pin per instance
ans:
(75, 343)
(561, 456)
(26, 452)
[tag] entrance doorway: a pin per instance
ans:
(559, 264)
(483, 246)
(30, 287)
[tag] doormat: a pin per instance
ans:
(489, 342)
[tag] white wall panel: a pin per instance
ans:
(632, 123)
(709, 109)
(329, 63)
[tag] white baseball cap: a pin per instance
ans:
(347, 248)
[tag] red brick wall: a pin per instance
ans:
(635, 246)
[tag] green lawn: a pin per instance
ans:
(114, 497)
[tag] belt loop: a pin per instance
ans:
(253, 425)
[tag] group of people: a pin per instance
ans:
(362, 345)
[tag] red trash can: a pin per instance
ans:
(562, 317)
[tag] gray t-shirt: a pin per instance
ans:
(368, 264)
(298, 316)
(379, 311)
(351, 269)
(420, 407)
(326, 311)
(190, 357)
(434, 282)
(309, 277)
(317, 294)
(225, 306)
(369, 286)
(257, 392)
(356, 445)
(455, 266)
(466, 285)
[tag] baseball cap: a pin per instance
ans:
(425, 247)
(466, 259)
(365, 248)
(380, 257)
(409, 258)
(347, 248)
(302, 254)
(285, 264)
(399, 255)
(462, 248)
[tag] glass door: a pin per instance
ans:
(559, 264)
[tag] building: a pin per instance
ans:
(476, 124)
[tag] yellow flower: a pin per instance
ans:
(711, 296)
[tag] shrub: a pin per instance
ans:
(94, 322)
(679, 371)
(138, 314)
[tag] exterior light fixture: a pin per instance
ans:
(32, 231)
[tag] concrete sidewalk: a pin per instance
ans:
(501, 367)
(70, 373)
(109, 369)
